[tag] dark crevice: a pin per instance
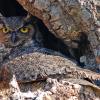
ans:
(11, 8)
(54, 43)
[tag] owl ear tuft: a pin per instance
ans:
(1, 15)
(28, 17)
(32, 19)
(2, 19)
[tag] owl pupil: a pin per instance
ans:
(5, 29)
(24, 28)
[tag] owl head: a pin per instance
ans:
(16, 31)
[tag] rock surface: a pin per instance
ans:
(65, 19)
(51, 76)
(32, 71)
(37, 65)
(54, 90)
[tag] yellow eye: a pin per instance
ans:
(24, 30)
(5, 30)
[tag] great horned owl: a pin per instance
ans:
(16, 31)
(19, 31)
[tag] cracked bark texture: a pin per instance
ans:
(66, 18)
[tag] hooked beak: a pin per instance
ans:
(14, 39)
